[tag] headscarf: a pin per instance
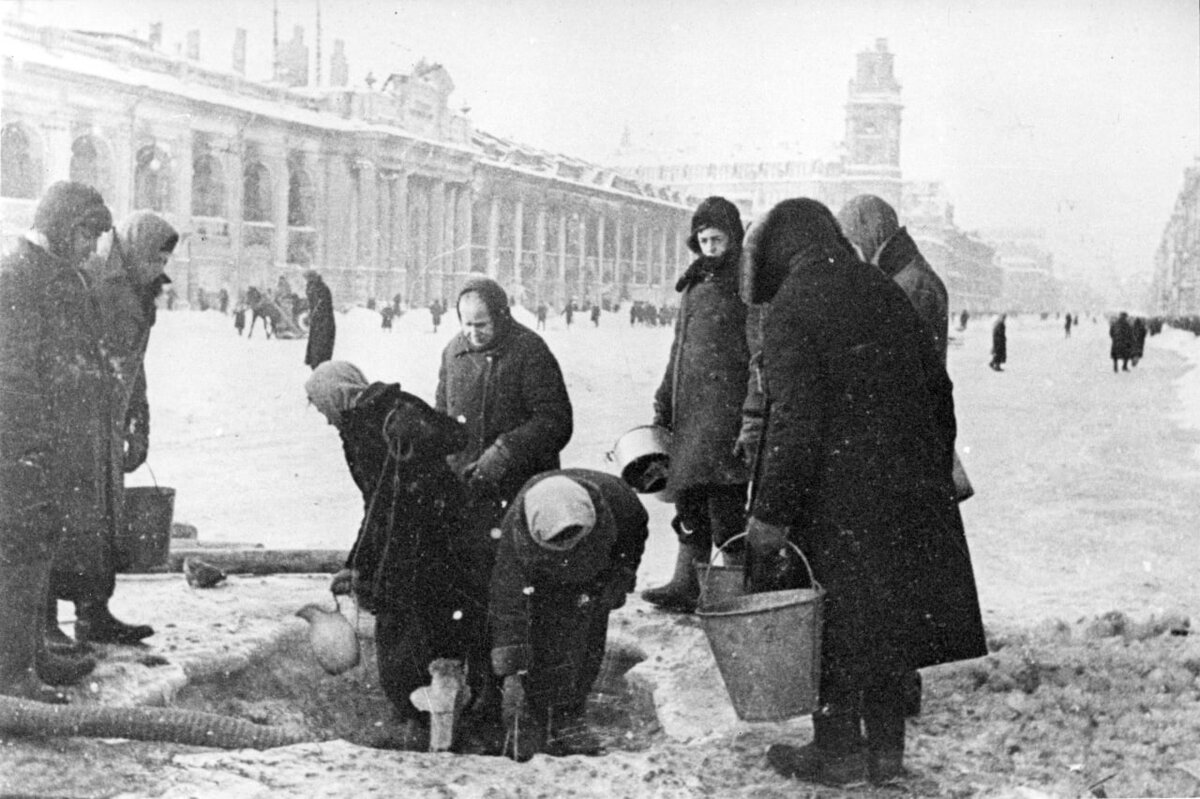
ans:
(793, 227)
(141, 236)
(496, 300)
(555, 505)
(868, 223)
(334, 387)
(719, 213)
(65, 205)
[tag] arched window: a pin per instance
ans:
(90, 163)
(301, 197)
(208, 187)
(20, 169)
(256, 193)
(152, 180)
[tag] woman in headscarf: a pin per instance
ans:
(399, 567)
(854, 469)
(700, 402)
(126, 284)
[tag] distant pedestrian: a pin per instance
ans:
(999, 344)
(1067, 326)
(239, 318)
(321, 326)
(223, 300)
(596, 316)
(172, 296)
(569, 312)
(541, 316)
(1138, 347)
(1121, 334)
(436, 309)
(396, 304)
(387, 313)
(963, 319)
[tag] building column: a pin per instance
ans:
(599, 254)
(539, 231)
(518, 243)
(580, 287)
(662, 260)
(234, 164)
(561, 283)
(279, 210)
(56, 160)
(633, 254)
(493, 236)
(678, 260)
(617, 254)
(398, 240)
(466, 229)
(437, 236)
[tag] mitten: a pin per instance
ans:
(491, 466)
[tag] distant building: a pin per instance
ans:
(1175, 290)
(755, 178)
(1030, 285)
(384, 190)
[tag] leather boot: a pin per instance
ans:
(95, 623)
(682, 593)
(23, 585)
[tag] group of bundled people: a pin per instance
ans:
(74, 420)
(809, 406)
(1128, 336)
(475, 544)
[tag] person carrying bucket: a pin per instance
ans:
(855, 470)
(700, 402)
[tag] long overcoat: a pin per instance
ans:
(902, 262)
(321, 327)
(1121, 334)
(55, 408)
(701, 394)
(856, 461)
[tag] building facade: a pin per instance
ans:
(1175, 290)
(384, 190)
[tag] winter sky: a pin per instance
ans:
(1075, 116)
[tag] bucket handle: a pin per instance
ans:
(812, 578)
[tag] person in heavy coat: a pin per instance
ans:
(127, 282)
(871, 225)
(321, 327)
(502, 381)
(1137, 346)
(399, 567)
(855, 469)
(569, 551)
(700, 401)
(54, 426)
(999, 343)
(1121, 334)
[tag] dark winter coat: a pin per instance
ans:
(321, 327)
(512, 391)
(701, 394)
(56, 400)
(1121, 333)
(411, 509)
(1137, 346)
(856, 462)
(902, 262)
(999, 341)
(552, 623)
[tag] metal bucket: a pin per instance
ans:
(768, 650)
(643, 458)
(144, 543)
(719, 583)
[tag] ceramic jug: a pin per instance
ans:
(332, 638)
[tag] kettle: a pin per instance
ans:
(332, 638)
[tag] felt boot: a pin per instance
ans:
(884, 724)
(22, 593)
(683, 591)
(836, 756)
(95, 623)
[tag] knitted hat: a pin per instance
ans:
(719, 213)
(559, 512)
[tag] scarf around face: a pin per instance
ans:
(334, 387)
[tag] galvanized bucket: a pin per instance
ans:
(643, 458)
(768, 650)
(144, 543)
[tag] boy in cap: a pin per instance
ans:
(569, 551)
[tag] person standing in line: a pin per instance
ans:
(700, 401)
(541, 316)
(1137, 348)
(575, 537)
(1067, 326)
(322, 329)
(500, 379)
(569, 313)
(999, 344)
(1121, 334)
(435, 314)
(596, 315)
(855, 470)
(127, 284)
(54, 426)
(239, 318)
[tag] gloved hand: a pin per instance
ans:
(491, 466)
(137, 442)
(344, 582)
(748, 440)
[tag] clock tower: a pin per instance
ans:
(872, 146)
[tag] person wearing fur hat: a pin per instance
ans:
(54, 426)
(569, 551)
(126, 284)
(500, 379)
(700, 401)
(855, 470)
